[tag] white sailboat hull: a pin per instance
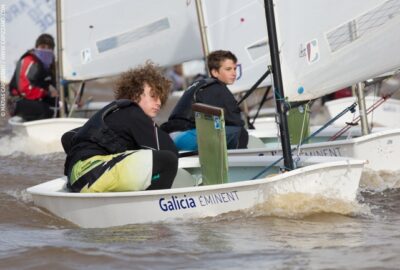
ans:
(270, 135)
(386, 115)
(338, 180)
(380, 149)
(47, 131)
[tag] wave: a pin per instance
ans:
(378, 181)
(14, 144)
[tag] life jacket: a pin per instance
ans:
(43, 80)
(182, 117)
(13, 86)
(97, 131)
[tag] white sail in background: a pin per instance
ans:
(239, 26)
(327, 45)
(24, 22)
(104, 37)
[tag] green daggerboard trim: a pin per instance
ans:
(296, 117)
(211, 140)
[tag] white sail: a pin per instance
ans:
(356, 40)
(331, 44)
(23, 22)
(239, 26)
(103, 37)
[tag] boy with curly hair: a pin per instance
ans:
(120, 148)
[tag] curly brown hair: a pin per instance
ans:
(130, 84)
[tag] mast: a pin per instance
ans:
(278, 84)
(362, 107)
(203, 34)
(59, 69)
(359, 89)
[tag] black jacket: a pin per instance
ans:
(126, 127)
(214, 93)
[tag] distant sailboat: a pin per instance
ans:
(46, 134)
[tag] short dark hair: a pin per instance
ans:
(45, 39)
(130, 83)
(215, 58)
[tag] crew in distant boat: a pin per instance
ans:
(31, 95)
(212, 91)
(175, 74)
(120, 148)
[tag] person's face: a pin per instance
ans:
(226, 73)
(149, 102)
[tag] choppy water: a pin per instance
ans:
(292, 232)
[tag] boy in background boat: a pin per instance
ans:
(212, 91)
(120, 148)
(31, 95)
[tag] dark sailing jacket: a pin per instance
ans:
(120, 126)
(209, 91)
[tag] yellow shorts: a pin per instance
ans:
(127, 171)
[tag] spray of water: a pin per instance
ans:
(11, 144)
(379, 180)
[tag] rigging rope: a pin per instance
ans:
(350, 108)
(358, 118)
